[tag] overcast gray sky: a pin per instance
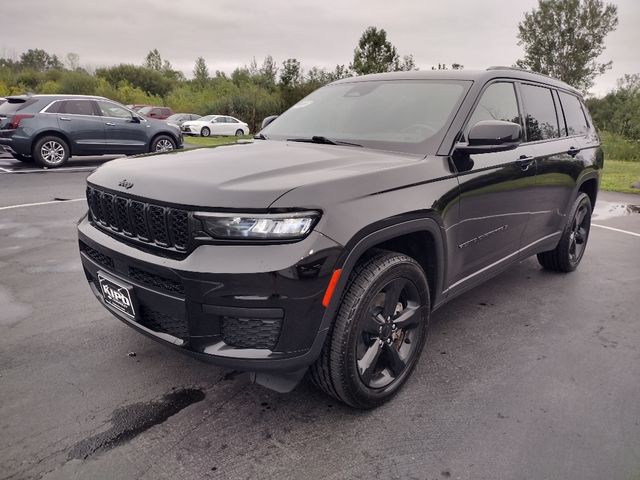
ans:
(475, 33)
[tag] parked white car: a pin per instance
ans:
(215, 125)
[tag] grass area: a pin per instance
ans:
(212, 141)
(618, 176)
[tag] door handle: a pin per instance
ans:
(525, 161)
(64, 119)
(573, 151)
(109, 124)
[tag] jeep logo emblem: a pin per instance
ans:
(126, 184)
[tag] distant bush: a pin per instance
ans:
(616, 147)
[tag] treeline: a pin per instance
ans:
(617, 117)
(251, 92)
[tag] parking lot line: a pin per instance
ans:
(41, 203)
(616, 230)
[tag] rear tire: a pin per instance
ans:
(23, 158)
(567, 255)
(51, 152)
(205, 132)
(379, 332)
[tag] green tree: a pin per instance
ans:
(39, 60)
(291, 74)
(200, 72)
(150, 81)
(374, 53)
(618, 112)
(564, 38)
(269, 72)
(153, 60)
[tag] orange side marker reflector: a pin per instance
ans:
(332, 285)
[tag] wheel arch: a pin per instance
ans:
(162, 133)
(54, 133)
(419, 238)
(589, 185)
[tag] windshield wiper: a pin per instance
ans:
(323, 140)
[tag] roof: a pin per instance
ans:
(469, 75)
(57, 96)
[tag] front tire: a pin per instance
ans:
(239, 132)
(51, 152)
(378, 334)
(567, 255)
(205, 132)
(163, 144)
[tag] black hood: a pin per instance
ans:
(250, 175)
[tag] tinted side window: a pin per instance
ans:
(498, 102)
(77, 107)
(109, 109)
(541, 121)
(573, 114)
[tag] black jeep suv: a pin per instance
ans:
(325, 245)
(51, 128)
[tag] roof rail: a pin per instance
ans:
(503, 67)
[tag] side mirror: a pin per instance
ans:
(135, 119)
(489, 136)
(268, 120)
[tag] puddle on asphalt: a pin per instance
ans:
(607, 210)
(129, 421)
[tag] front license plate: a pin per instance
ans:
(117, 295)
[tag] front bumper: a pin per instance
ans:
(250, 308)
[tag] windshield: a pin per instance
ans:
(144, 110)
(174, 117)
(207, 118)
(399, 115)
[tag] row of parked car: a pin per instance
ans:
(193, 124)
(48, 129)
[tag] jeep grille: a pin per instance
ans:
(163, 227)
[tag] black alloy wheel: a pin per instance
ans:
(379, 331)
(570, 249)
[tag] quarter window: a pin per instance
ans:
(573, 114)
(541, 120)
(498, 102)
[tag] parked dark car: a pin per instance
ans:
(326, 244)
(51, 128)
(159, 113)
(180, 118)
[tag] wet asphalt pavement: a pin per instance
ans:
(532, 375)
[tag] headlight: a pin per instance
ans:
(280, 226)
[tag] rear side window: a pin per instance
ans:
(498, 102)
(77, 107)
(573, 114)
(13, 105)
(541, 120)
